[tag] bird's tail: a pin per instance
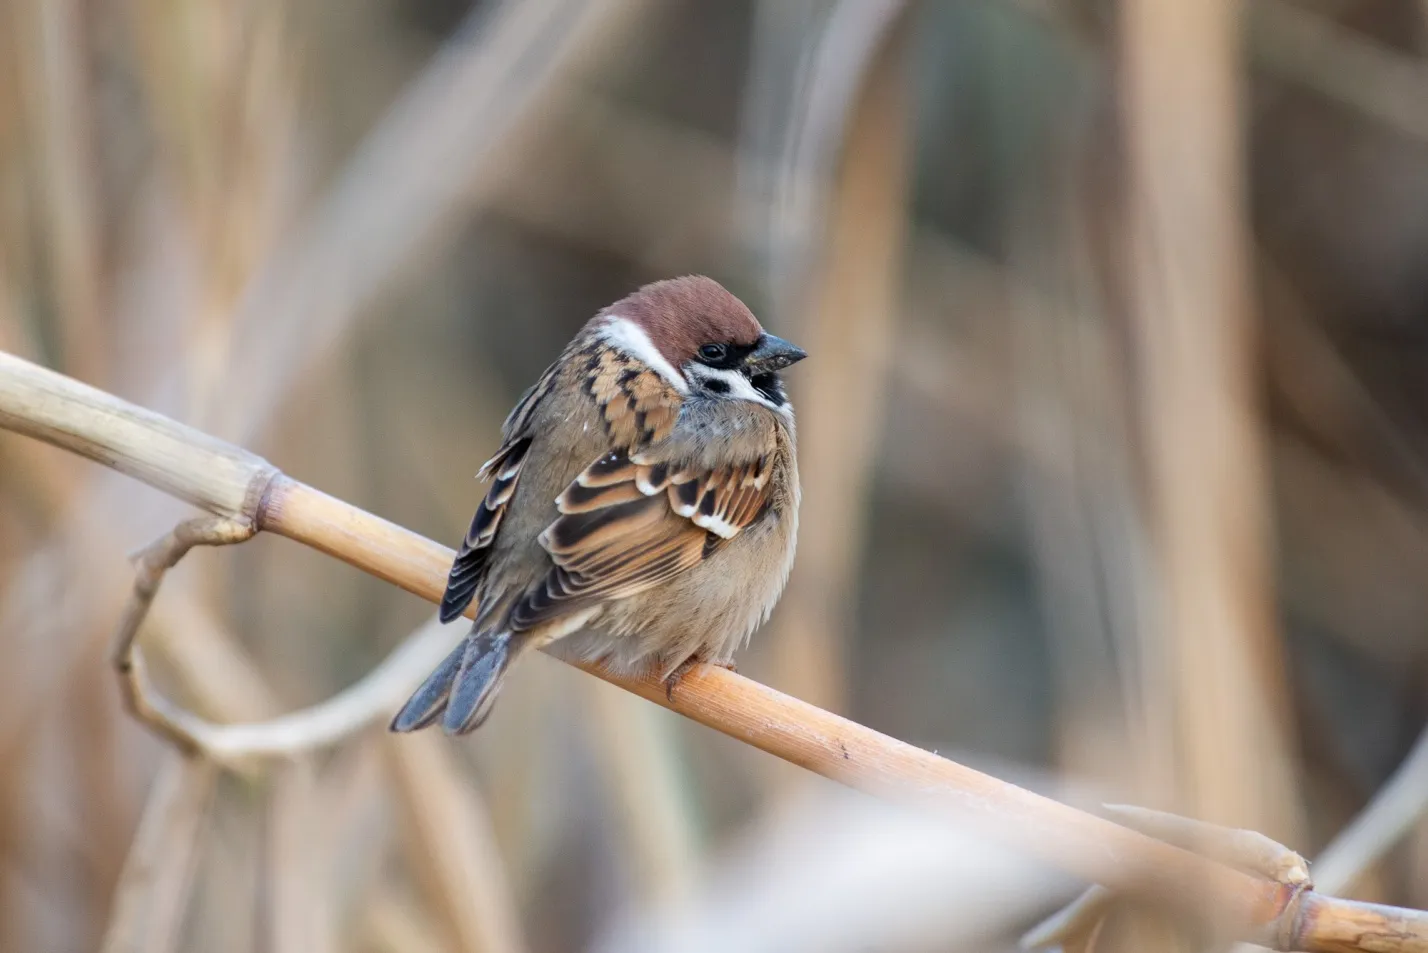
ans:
(464, 686)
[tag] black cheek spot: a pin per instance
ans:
(716, 386)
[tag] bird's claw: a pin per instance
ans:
(676, 676)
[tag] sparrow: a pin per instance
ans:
(643, 506)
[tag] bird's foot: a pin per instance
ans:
(672, 682)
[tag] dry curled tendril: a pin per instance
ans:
(183, 729)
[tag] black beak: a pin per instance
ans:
(772, 354)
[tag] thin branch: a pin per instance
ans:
(1341, 65)
(837, 64)
(845, 295)
(371, 698)
(300, 913)
(1394, 810)
(1225, 718)
(52, 407)
(150, 899)
(452, 846)
(61, 114)
(1249, 851)
(158, 558)
(392, 924)
(640, 764)
(1075, 926)
(438, 150)
(149, 447)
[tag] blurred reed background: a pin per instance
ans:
(1113, 440)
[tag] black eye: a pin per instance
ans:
(712, 353)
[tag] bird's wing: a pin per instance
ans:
(475, 551)
(648, 509)
(631, 521)
(637, 407)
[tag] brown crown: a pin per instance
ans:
(680, 314)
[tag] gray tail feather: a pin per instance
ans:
(479, 680)
(429, 701)
(463, 686)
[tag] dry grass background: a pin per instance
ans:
(1114, 439)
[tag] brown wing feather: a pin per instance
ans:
(629, 524)
(475, 551)
(474, 555)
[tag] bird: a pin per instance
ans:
(643, 504)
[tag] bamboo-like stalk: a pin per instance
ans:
(231, 482)
(61, 111)
(1340, 64)
(98, 745)
(1215, 653)
(392, 924)
(452, 847)
(439, 148)
(299, 903)
(1400, 804)
(849, 300)
(148, 910)
(219, 84)
(640, 767)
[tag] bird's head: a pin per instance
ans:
(703, 340)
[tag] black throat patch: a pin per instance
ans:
(771, 386)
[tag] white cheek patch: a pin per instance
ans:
(632, 339)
